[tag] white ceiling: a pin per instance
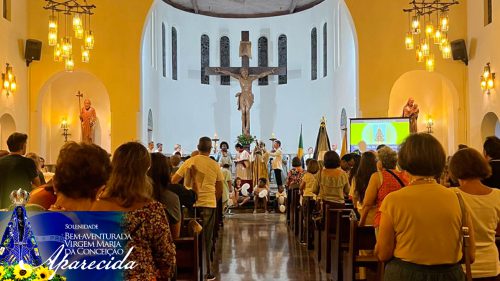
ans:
(243, 8)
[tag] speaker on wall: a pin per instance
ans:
(32, 51)
(459, 51)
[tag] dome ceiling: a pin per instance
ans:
(243, 8)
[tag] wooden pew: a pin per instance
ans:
(361, 238)
(187, 250)
(339, 235)
(296, 212)
(307, 226)
(329, 233)
(319, 231)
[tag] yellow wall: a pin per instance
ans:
(381, 27)
(115, 61)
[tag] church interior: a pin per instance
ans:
(152, 70)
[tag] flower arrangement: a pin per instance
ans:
(245, 140)
(25, 272)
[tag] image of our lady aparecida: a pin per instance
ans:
(18, 241)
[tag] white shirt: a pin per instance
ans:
(277, 163)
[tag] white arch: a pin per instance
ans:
(490, 125)
(7, 127)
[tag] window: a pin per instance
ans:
(163, 50)
(224, 59)
(263, 59)
(7, 9)
(488, 12)
(282, 57)
(174, 53)
(205, 58)
(314, 54)
(325, 50)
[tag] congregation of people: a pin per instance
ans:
(413, 198)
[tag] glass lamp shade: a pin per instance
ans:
(415, 24)
(409, 43)
(89, 40)
(446, 51)
(52, 22)
(483, 83)
(69, 64)
(85, 55)
(52, 37)
(419, 55)
(57, 53)
(425, 47)
(66, 47)
(444, 22)
(491, 82)
(77, 22)
(429, 29)
(13, 85)
(437, 36)
(430, 63)
(79, 33)
(486, 71)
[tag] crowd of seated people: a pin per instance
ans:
(402, 194)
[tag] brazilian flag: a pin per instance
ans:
(300, 151)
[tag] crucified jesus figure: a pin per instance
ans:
(245, 97)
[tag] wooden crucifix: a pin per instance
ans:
(245, 75)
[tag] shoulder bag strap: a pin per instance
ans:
(396, 177)
(465, 237)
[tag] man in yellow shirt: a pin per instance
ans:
(207, 183)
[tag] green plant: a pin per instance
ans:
(245, 139)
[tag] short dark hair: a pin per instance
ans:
(296, 162)
(491, 147)
(421, 154)
(263, 180)
(348, 157)
(81, 169)
(312, 166)
(380, 146)
(468, 163)
(226, 166)
(238, 145)
(278, 142)
(159, 144)
(331, 160)
(205, 144)
(223, 143)
(16, 141)
(462, 146)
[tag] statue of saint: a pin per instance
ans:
(88, 119)
(411, 111)
(245, 97)
(260, 159)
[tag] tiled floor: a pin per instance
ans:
(260, 247)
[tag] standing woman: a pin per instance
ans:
(333, 181)
(129, 190)
(367, 167)
(420, 227)
(470, 167)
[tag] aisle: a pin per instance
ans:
(260, 247)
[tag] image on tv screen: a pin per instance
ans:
(368, 133)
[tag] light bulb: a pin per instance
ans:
(79, 33)
(483, 83)
(409, 41)
(446, 51)
(6, 84)
(66, 47)
(419, 54)
(13, 85)
(77, 22)
(425, 47)
(444, 20)
(429, 29)
(491, 84)
(415, 24)
(429, 63)
(437, 36)
(57, 53)
(52, 22)
(52, 37)
(69, 64)
(85, 55)
(89, 40)
(486, 71)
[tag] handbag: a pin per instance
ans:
(465, 238)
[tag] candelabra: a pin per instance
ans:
(65, 128)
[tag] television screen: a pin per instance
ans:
(368, 133)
